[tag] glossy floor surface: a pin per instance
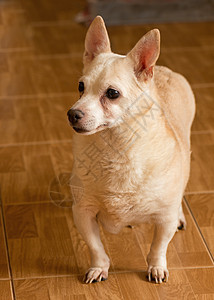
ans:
(42, 255)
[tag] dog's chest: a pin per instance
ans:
(123, 188)
(119, 209)
(120, 194)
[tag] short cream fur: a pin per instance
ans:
(142, 147)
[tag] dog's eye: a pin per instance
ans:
(112, 94)
(81, 87)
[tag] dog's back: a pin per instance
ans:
(176, 100)
(178, 105)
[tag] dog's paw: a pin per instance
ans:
(95, 275)
(158, 273)
(182, 224)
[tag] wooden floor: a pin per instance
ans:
(42, 255)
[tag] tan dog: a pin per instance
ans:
(132, 150)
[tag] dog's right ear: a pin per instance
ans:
(96, 41)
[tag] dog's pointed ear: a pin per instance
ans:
(145, 54)
(96, 41)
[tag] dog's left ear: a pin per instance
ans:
(145, 54)
(96, 41)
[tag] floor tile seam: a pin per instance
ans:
(38, 96)
(38, 143)
(144, 270)
(10, 271)
(47, 142)
(74, 54)
(14, 50)
(198, 230)
(199, 192)
(200, 132)
(70, 93)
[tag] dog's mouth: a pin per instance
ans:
(80, 130)
(85, 131)
(102, 126)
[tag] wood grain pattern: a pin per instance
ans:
(41, 50)
(204, 119)
(201, 175)
(28, 75)
(187, 64)
(59, 249)
(174, 37)
(178, 288)
(185, 250)
(3, 257)
(202, 206)
(36, 119)
(66, 288)
(44, 11)
(202, 281)
(128, 257)
(183, 285)
(33, 168)
(5, 289)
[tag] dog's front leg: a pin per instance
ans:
(157, 264)
(86, 223)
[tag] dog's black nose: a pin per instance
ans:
(74, 115)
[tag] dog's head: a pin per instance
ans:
(111, 82)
